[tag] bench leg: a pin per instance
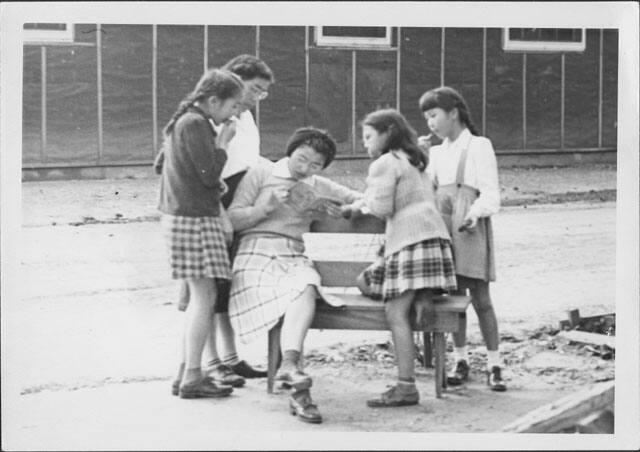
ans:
(273, 357)
(427, 351)
(439, 340)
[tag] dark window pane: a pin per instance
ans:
(546, 34)
(45, 26)
(360, 32)
(126, 94)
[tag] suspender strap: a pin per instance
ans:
(462, 163)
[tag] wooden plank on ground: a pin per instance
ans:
(567, 412)
(589, 338)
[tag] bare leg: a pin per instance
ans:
(486, 315)
(226, 334)
(198, 324)
(397, 312)
(297, 320)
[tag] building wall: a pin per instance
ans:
(104, 99)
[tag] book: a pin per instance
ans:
(303, 197)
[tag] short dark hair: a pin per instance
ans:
(317, 139)
(249, 67)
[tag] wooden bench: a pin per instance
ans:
(362, 313)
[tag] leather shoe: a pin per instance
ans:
(245, 370)
(301, 405)
(494, 380)
(223, 375)
(204, 388)
(460, 375)
(394, 397)
(293, 379)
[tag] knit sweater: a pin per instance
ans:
(190, 179)
(399, 192)
(248, 216)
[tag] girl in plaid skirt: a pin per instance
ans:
(190, 191)
(417, 251)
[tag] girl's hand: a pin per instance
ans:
(278, 196)
(470, 222)
(349, 210)
(425, 142)
(333, 209)
(226, 134)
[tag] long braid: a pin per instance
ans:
(183, 106)
(214, 82)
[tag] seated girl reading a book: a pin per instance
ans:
(272, 278)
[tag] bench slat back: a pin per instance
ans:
(361, 224)
(337, 273)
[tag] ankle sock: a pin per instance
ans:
(406, 386)
(215, 362)
(231, 360)
(493, 358)
(291, 357)
(460, 354)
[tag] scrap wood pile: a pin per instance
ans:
(590, 410)
(598, 332)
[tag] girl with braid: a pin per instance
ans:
(190, 192)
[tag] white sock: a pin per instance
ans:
(493, 358)
(460, 353)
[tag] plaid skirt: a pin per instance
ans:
(197, 247)
(424, 265)
(269, 273)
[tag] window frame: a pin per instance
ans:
(509, 45)
(353, 41)
(36, 36)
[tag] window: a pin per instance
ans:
(353, 36)
(47, 32)
(544, 39)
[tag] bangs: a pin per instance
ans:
(429, 100)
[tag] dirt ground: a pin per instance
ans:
(96, 313)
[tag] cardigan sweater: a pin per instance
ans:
(403, 195)
(248, 216)
(481, 170)
(190, 179)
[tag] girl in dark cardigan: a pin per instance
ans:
(190, 192)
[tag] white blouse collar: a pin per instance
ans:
(281, 169)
